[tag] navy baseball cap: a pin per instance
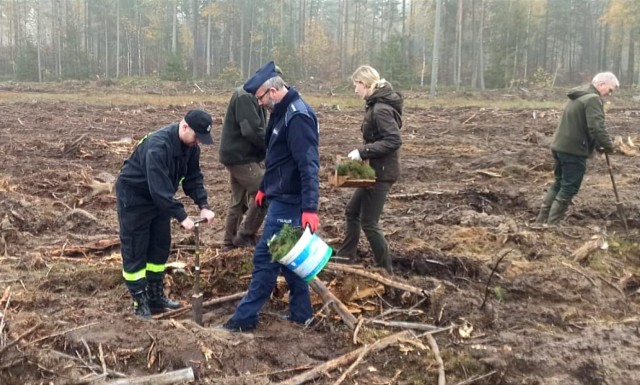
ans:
(200, 121)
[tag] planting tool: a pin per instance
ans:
(196, 298)
(619, 206)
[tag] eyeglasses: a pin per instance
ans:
(262, 96)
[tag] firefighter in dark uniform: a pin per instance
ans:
(145, 198)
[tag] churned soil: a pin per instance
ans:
(524, 304)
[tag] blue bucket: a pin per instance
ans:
(308, 257)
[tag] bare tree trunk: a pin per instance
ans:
(106, 48)
(458, 68)
(526, 45)
(515, 67)
(632, 56)
(436, 49)
(174, 28)
(242, 38)
(138, 37)
(59, 38)
(481, 47)
(251, 34)
(208, 49)
(196, 18)
(38, 23)
(424, 64)
(117, 39)
(546, 36)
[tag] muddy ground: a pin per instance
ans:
(471, 185)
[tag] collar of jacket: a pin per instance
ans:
(179, 148)
(281, 107)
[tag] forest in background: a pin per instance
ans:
(475, 44)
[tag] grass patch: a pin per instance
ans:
(110, 98)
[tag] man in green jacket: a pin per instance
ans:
(581, 130)
(242, 152)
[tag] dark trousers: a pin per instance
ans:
(265, 273)
(363, 213)
(245, 182)
(569, 171)
(145, 238)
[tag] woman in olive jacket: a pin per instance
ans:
(381, 134)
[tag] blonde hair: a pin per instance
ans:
(366, 75)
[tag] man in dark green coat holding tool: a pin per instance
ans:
(581, 130)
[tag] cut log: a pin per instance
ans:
(168, 378)
(595, 243)
(379, 278)
(327, 297)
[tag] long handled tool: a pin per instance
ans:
(619, 206)
(197, 298)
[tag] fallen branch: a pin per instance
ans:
(411, 325)
(420, 194)
(436, 352)
(476, 378)
(614, 286)
(378, 278)
(345, 359)
(495, 267)
(344, 375)
(91, 366)
(174, 377)
(579, 272)
(583, 251)
(62, 333)
(355, 332)
(20, 337)
(90, 378)
(327, 297)
(78, 213)
(211, 302)
(469, 119)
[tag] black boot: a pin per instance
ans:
(158, 301)
(141, 304)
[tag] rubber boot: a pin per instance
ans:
(249, 227)
(547, 201)
(557, 211)
(230, 231)
(158, 301)
(141, 304)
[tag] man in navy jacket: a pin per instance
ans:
(145, 198)
(290, 184)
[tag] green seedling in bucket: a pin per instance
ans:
(304, 253)
(280, 244)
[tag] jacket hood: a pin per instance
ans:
(581, 91)
(384, 93)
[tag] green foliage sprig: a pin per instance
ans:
(283, 242)
(355, 169)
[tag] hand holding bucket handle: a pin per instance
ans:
(310, 219)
